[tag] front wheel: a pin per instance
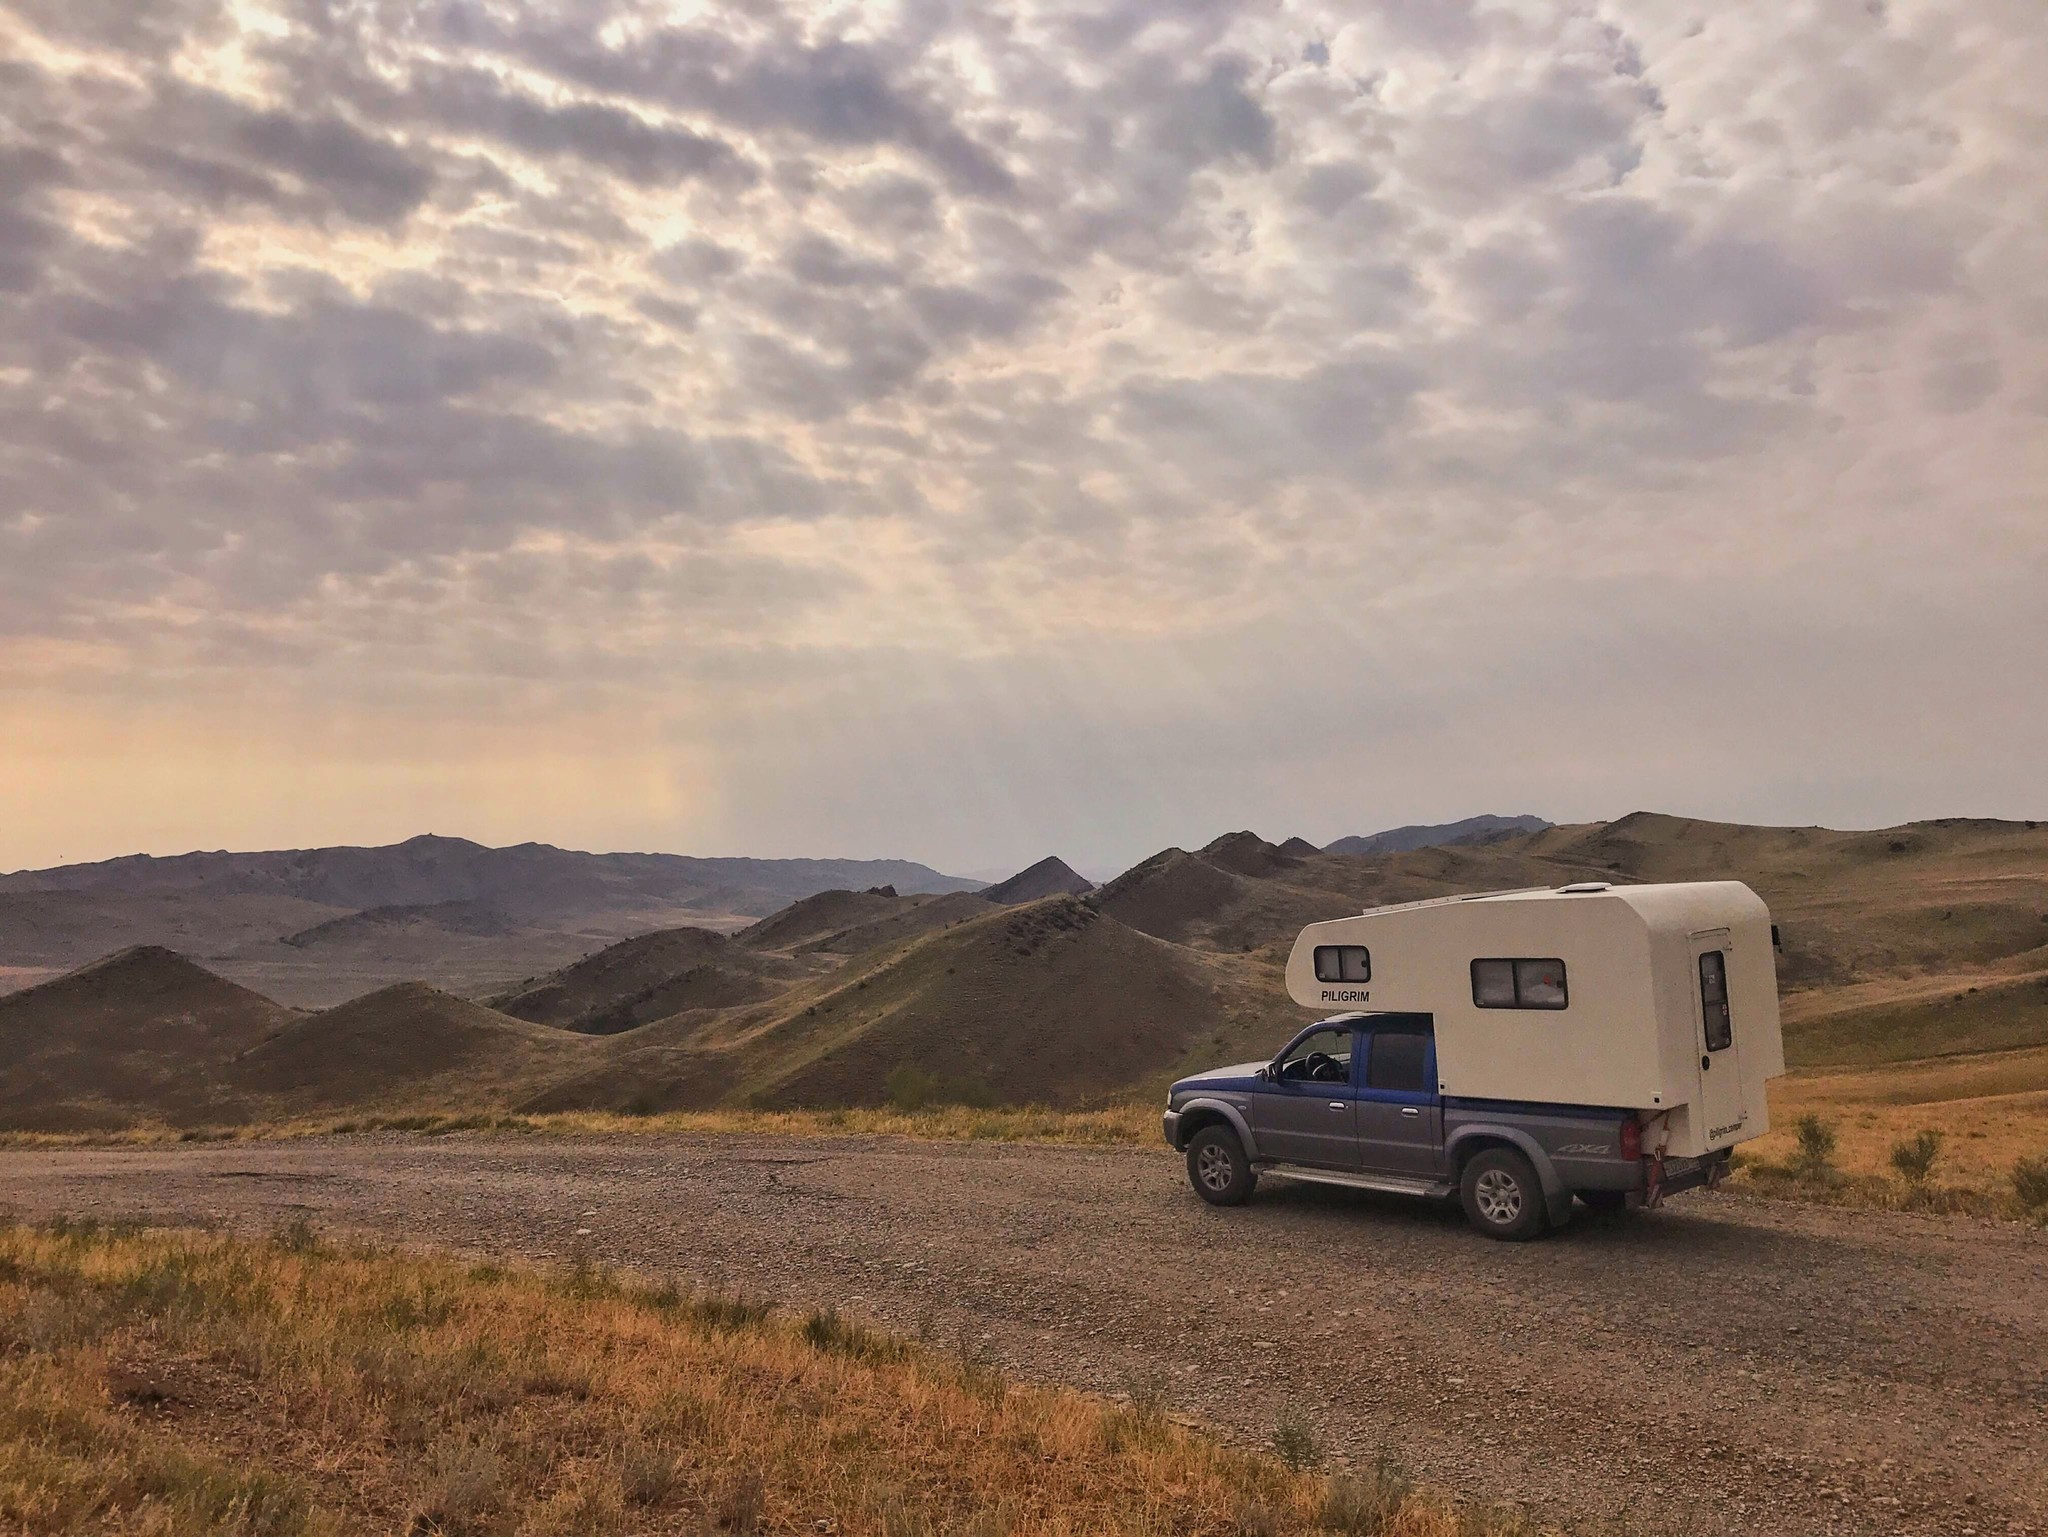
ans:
(1218, 1168)
(1501, 1195)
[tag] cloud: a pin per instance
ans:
(1218, 399)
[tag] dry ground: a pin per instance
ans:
(175, 1384)
(1730, 1364)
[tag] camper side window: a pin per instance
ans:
(1343, 963)
(1519, 984)
(1714, 1000)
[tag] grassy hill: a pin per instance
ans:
(143, 1028)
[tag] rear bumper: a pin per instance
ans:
(1170, 1124)
(1684, 1174)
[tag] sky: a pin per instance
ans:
(967, 431)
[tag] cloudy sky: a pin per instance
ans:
(968, 430)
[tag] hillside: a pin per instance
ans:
(651, 977)
(408, 1045)
(921, 915)
(822, 915)
(143, 1027)
(1050, 877)
(1053, 1002)
(1402, 840)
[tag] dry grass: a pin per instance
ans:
(1990, 1110)
(173, 1383)
(1114, 1126)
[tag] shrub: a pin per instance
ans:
(1365, 1504)
(1913, 1157)
(649, 1474)
(910, 1087)
(2030, 1181)
(827, 1331)
(1815, 1159)
(1295, 1443)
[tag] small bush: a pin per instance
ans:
(2030, 1182)
(730, 1314)
(910, 1087)
(1816, 1156)
(296, 1236)
(465, 1487)
(1295, 1443)
(827, 1331)
(1365, 1504)
(649, 1474)
(1913, 1157)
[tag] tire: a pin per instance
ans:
(1502, 1197)
(1604, 1201)
(1218, 1168)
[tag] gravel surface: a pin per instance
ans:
(1725, 1365)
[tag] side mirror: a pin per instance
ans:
(1266, 1074)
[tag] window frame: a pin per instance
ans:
(1515, 963)
(1338, 951)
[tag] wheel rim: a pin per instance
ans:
(1498, 1195)
(1212, 1167)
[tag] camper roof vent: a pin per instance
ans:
(1577, 888)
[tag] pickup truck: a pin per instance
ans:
(1353, 1100)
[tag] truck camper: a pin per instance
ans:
(1516, 1049)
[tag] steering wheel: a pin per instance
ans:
(1321, 1067)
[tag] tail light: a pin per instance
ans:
(1631, 1138)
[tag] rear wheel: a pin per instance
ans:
(1501, 1195)
(1218, 1168)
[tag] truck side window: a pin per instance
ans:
(1343, 963)
(1519, 984)
(1322, 1056)
(1714, 1000)
(1399, 1060)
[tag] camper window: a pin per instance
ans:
(1519, 984)
(1714, 1000)
(1343, 963)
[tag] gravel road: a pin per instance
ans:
(1725, 1365)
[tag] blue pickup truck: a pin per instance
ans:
(1354, 1100)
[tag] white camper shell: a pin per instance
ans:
(1662, 999)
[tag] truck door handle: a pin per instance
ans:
(1410, 1110)
(1336, 1104)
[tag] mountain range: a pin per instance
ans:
(1907, 942)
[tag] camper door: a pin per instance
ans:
(1719, 1039)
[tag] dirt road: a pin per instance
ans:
(1726, 1365)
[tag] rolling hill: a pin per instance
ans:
(651, 977)
(409, 1045)
(1052, 876)
(1402, 840)
(142, 1031)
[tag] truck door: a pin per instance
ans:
(1400, 1115)
(1719, 1042)
(1305, 1113)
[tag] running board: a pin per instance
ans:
(1392, 1184)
